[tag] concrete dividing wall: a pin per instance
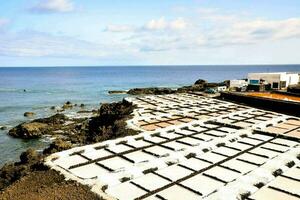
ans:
(291, 108)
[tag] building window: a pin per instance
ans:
(275, 85)
(282, 84)
(254, 82)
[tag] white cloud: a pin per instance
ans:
(179, 23)
(160, 24)
(254, 31)
(37, 44)
(52, 6)
(163, 24)
(119, 28)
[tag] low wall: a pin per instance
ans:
(287, 93)
(285, 107)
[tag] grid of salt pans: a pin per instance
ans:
(225, 156)
(160, 111)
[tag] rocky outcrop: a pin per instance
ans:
(154, 90)
(199, 86)
(38, 127)
(30, 161)
(29, 114)
(56, 146)
(29, 130)
(200, 82)
(111, 122)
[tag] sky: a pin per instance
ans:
(156, 32)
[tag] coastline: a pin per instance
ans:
(109, 120)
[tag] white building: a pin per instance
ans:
(221, 88)
(237, 83)
(278, 80)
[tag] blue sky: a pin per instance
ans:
(168, 32)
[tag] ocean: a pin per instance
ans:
(52, 86)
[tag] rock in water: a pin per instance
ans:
(29, 130)
(29, 114)
(117, 92)
(39, 127)
(67, 105)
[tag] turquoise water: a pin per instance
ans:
(46, 87)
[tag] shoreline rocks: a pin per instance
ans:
(109, 123)
(67, 105)
(29, 114)
(152, 90)
(199, 86)
(117, 92)
(38, 127)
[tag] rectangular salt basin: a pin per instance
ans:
(243, 124)
(240, 146)
(276, 147)
(125, 191)
(204, 137)
(138, 143)
(261, 137)
(227, 129)
(286, 126)
(273, 129)
(176, 146)
(190, 141)
(284, 142)
(286, 184)
(154, 139)
(223, 174)
(174, 172)
(89, 171)
(158, 151)
(250, 141)
(212, 157)
(170, 135)
(226, 151)
(95, 154)
(119, 148)
(240, 166)
(195, 164)
(69, 161)
(178, 192)
(264, 152)
(252, 158)
(295, 133)
(139, 156)
(216, 133)
(202, 184)
(115, 163)
(293, 173)
(151, 181)
(268, 193)
(293, 122)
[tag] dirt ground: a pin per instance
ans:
(46, 185)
